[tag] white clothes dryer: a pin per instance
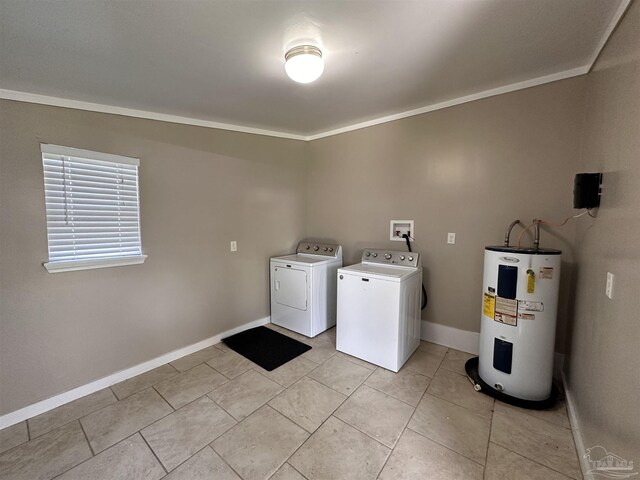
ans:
(303, 288)
(378, 311)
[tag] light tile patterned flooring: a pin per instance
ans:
(324, 415)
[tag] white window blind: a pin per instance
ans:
(93, 209)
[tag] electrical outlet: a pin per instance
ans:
(608, 291)
(234, 246)
(451, 238)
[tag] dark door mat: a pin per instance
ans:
(266, 347)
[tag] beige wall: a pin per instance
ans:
(469, 169)
(604, 361)
(199, 189)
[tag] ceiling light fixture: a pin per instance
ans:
(304, 64)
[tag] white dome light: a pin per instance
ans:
(304, 64)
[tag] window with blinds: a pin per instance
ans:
(93, 209)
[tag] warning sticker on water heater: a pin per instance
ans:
(506, 311)
(546, 272)
(506, 319)
(529, 306)
(489, 305)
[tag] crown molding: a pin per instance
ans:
(622, 8)
(163, 117)
(456, 101)
(130, 112)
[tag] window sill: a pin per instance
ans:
(70, 266)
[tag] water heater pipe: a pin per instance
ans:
(536, 239)
(507, 235)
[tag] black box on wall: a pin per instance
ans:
(586, 190)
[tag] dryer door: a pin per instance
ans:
(290, 287)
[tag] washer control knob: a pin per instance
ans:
(374, 254)
(387, 256)
(307, 247)
(326, 249)
(410, 259)
(331, 249)
(316, 248)
(367, 254)
(402, 257)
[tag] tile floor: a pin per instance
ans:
(324, 415)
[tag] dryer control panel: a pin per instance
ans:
(324, 249)
(391, 257)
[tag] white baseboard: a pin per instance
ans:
(66, 397)
(463, 340)
(575, 427)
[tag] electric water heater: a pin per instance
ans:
(518, 327)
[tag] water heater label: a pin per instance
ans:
(546, 272)
(489, 305)
(506, 311)
(529, 306)
(506, 319)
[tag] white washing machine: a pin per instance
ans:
(379, 307)
(303, 288)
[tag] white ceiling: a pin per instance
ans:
(223, 61)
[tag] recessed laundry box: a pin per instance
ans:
(303, 288)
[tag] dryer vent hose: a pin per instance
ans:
(425, 298)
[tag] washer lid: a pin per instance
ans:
(381, 272)
(304, 260)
